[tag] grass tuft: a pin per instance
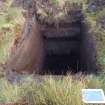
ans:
(62, 91)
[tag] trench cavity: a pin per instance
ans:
(72, 52)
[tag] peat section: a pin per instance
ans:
(69, 48)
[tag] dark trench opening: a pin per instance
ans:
(61, 64)
(81, 58)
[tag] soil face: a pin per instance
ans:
(68, 45)
(29, 53)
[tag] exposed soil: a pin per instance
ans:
(71, 52)
(73, 58)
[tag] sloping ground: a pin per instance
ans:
(94, 12)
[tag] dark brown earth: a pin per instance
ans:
(66, 46)
(29, 54)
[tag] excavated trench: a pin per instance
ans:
(72, 54)
(68, 47)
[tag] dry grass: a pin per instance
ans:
(11, 22)
(65, 91)
(96, 23)
(53, 11)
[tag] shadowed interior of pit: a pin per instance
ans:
(82, 59)
(61, 64)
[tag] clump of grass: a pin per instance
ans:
(63, 91)
(54, 11)
(60, 92)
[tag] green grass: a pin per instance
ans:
(56, 10)
(66, 91)
(10, 20)
(57, 2)
(95, 28)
